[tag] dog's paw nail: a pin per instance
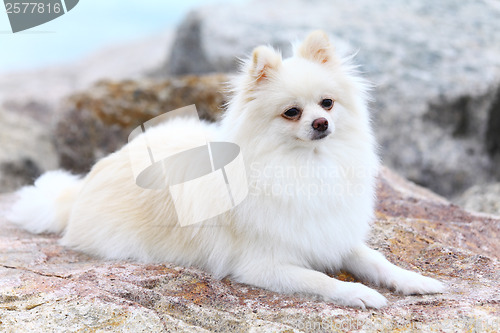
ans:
(421, 285)
(360, 296)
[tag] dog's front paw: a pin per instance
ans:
(358, 295)
(413, 283)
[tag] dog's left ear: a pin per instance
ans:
(264, 62)
(317, 47)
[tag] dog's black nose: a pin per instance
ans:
(320, 124)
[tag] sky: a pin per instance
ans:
(91, 25)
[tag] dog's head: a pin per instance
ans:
(306, 99)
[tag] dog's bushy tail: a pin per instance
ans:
(46, 206)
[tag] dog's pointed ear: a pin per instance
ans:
(264, 61)
(317, 47)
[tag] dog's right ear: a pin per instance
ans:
(318, 48)
(264, 62)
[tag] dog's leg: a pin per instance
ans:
(370, 265)
(295, 279)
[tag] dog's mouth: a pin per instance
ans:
(320, 135)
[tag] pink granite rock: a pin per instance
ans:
(45, 287)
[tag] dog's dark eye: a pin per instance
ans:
(327, 104)
(292, 113)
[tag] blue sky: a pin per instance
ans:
(91, 25)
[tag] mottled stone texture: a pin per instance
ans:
(45, 287)
(482, 198)
(25, 149)
(98, 121)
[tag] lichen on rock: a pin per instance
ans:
(98, 121)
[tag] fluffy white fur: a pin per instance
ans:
(310, 201)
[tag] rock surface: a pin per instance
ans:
(99, 120)
(434, 64)
(26, 150)
(481, 198)
(49, 288)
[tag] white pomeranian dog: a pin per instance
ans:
(304, 131)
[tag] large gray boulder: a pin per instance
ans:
(435, 67)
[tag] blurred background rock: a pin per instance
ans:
(435, 69)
